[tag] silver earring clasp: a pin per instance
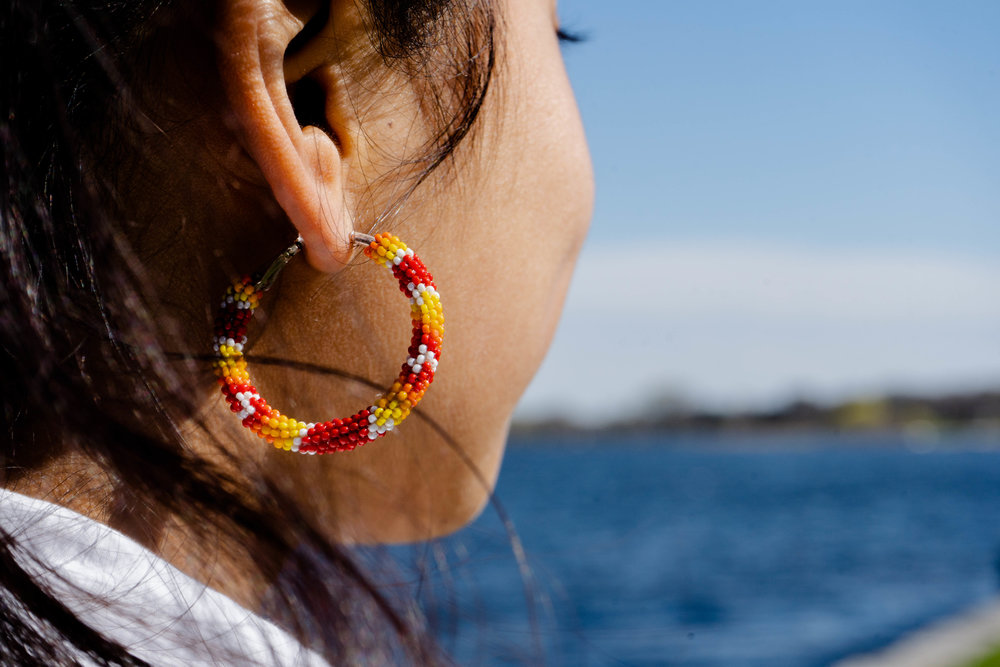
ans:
(360, 239)
(269, 275)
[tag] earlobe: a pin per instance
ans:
(303, 165)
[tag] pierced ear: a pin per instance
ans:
(300, 155)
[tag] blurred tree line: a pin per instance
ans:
(910, 413)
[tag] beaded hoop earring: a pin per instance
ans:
(336, 435)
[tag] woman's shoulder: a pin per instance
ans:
(135, 598)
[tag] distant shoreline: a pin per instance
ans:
(917, 419)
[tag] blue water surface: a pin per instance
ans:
(718, 551)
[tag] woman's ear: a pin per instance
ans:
(303, 163)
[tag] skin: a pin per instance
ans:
(229, 177)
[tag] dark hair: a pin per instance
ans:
(71, 311)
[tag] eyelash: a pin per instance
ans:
(567, 37)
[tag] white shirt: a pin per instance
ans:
(132, 596)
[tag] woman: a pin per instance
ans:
(154, 151)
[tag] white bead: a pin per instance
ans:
(242, 414)
(400, 252)
(251, 410)
(421, 358)
(410, 286)
(239, 347)
(312, 452)
(371, 419)
(420, 301)
(230, 342)
(216, 347)
(245, 403)
(397, 261)
(303, 432)
(410, 361)
(295, 446)
(430, 355)
(421, 287)
(422, 349)
(409, 252)
(417, 368)
(311, 425)
(372, 435)
(296, 442)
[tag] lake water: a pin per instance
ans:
(720, 551)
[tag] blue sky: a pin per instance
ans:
(844, 157)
